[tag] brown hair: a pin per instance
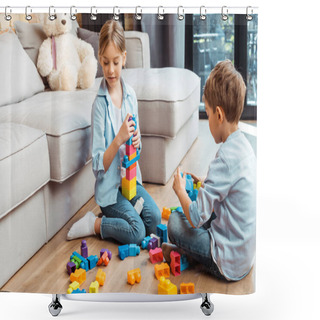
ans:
(111, 31)
(225, 88)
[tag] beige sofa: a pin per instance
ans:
(45, 142)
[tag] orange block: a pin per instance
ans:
(134, 276)
(104, 259)
(79, 275)
(187, 288)
(166, 213)
(101, 277)
(162, 270)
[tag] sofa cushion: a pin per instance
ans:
(19, 76)
(66, 119)
(24, 164)
(167, 98)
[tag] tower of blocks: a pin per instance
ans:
(129, 182)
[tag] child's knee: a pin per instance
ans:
(173, 223)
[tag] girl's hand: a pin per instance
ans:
(136, 139)
(126, 130)
(195, 178)
(179, 183)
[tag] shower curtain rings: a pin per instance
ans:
(93, 16)
(28, 16)
(180, 13)
(138, 15)
(224, 13)
(203, 13)
(73, 14)
(7, 16)
(160, 15)
(53, 16)
(116, 14)
(249, 17)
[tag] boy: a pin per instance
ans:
(223, 241)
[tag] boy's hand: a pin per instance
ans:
(179, 183)
(136, 139)
(126, 130)
(195, 178)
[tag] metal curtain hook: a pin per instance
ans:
(93, 16)
(180, 13)
(73, 14)
(52, 16)
(7, 16)
(203, 13)
(249, 17)
(224, 13)
(28, 11)
(116, 14)
(160, 15)
(138, 15)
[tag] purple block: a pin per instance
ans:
(71, 267)
(84, 249)
(153, 243)
(108, 252)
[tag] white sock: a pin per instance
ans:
(83, 228)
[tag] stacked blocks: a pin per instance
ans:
(166, 287)
(108, 252)
(156, 255)
(158, 239)
(103, 259)
(101, 277)
(129, 182)
(192, 188)
(162, 270)
(84, 249)
(73, 286)
(79, 261)
(186, 288)
(162, 232)
(94, 287)
(184, 264)
(92, 260)
(175, 263)
(145, 242)
(134, 276)
(79, 276)
(79, 291)
(128, 250)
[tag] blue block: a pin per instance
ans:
(123, 251)
(184, 264)
(84, 264)
(134, 250)
(93, 260)
(126, 163)
(79, 291)
(162, 232)
(179, 209)
(145, 242)
(193, 194)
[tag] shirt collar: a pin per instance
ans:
(103, 89)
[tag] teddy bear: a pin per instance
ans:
(65, 60)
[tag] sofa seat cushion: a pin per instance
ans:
(24, 164)
(167, 98)
(65, 117)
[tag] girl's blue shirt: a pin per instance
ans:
(103, 133)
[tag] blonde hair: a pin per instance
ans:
(225, 88)
(111, 31)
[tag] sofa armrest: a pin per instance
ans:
(138, 49)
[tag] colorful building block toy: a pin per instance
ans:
(162, 232)
(134, 250)
(104, 259)
(156, 255)
(94, 287)
(152, 243)
(101, 277)
(145, 241)
(80, 261)
(166, 213)
(84, 249)
(108, 252)
(184, 264)
(128, 250)
(175, 263)
(79, 291)
(92, 261)
(134, 276)
(71, 267)
(187, 288)
(73, 286)
(166, 287)
(158, 239)
(79, 275)
(162, 270)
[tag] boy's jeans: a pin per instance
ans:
(121, 221)
(196, 242)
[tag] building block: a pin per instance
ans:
(134, 250)
(73, 286)
(79, 291)
(162, 270)
(175, 263)
(94, 287)
(166, 213)
(187, 288)
(84, 249)
(79, 275)
(84, 264)
(129, 184)
(166, 287)
(184, 264)
(130, 149)
(132, 156)
(126, 163)
(193, 194)
(123, 251)
(92, 260)
(158, 239)
(189, 182)
(162, 232)
(134, 276)
(108, 252)
(103, 259)
(129, 193)
(145, 241)
(101, 277)
(152, 243)
(156, 255)
(198, 185)
(71, 267)
(131, 173)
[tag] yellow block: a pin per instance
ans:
(73, 286)
(129, 184)
(94, 287)
(166, 287)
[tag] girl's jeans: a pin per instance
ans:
(120, 221)
(195, 242)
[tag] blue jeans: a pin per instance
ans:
(120, 221)
(196, 242)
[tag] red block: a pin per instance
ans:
(130, 149)
(131, 173)
(175, 263)
(156, 255)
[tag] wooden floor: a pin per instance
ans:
(46, 272)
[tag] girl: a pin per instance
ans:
(115, 103)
